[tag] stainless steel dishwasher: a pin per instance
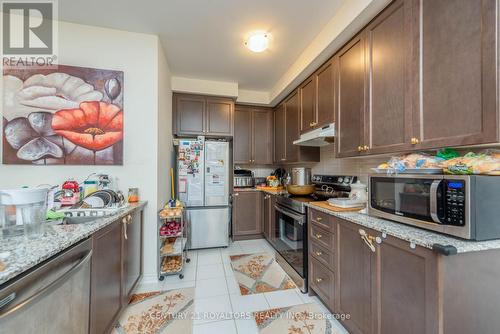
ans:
(53, 298)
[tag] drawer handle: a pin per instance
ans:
(318, 236)
(319, 253)
(319, 280)
(319, 219)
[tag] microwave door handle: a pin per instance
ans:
(433, 197)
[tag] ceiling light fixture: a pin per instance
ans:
(258, 42)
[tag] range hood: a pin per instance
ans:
(319, 137)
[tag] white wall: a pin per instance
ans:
(137, 55)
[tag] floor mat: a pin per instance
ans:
(298, 319)
(258, 273)
(158, 312)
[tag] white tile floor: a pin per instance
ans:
(210, 273)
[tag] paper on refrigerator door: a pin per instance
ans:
(194, 189)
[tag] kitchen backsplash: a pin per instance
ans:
(354, 166)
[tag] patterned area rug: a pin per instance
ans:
(158, 312)
(298, 319)
(257, 273)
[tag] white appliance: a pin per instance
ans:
(203, 180)
(319, 137)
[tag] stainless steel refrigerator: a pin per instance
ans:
(203, 168)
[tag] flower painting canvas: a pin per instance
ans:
(69, 115)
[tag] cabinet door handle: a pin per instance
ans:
(313, 124)
(283, 159)
(360, 148)
(414, 141)
(318, 236)
(366, 148)
(125, 228)
(368, 239)
(319, 280)
(319, 253)
(318, 219)
(236, 194)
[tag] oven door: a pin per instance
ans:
(290, 238)
(416, 198)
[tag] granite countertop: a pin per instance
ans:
(417, 236)
(20, 254)
(268, 191)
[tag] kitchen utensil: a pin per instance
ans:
(301, 176)
(103, 181)
(302, 190)
(280, 174)
(23, 210)
(94, 202)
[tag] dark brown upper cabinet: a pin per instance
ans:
(242, 140)
(253, 137)
(292, 124)
(350, 89)
(287, 130)
(388, 116)
(202, 115)
(456, 104)
(317, 99)
(307, 95)
(325, 94)
(279, 134)
(262, 143)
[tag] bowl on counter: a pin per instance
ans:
(300, 190)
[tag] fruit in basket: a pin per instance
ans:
(170, 228)
(170, 212)
(171, 264)
(168, 246)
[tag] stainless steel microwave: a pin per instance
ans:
(465, 206)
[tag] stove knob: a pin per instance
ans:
(340, 180)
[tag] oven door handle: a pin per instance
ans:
(300, 219)
(433, 198)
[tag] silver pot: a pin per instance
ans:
(301, 176)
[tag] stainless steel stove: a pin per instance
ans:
(290, 235)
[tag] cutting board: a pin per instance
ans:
(269, 188)
(325, 205)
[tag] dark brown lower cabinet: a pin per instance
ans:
(391, 288)
(132, 253)
(247, 214)
(269, 218)
(406, 286)
(355, 288)
(106, 289)
(116, 269)
(394, 287)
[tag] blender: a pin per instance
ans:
(22, 211)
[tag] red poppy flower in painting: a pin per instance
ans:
(94, 126)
